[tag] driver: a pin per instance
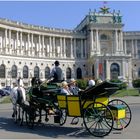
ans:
(56, 73)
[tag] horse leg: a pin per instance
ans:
(40, 115)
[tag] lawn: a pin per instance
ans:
(127, 92)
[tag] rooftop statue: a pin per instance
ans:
(104, 10)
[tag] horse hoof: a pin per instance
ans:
(13, 115)
(46, 119)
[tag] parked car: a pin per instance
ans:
(2, 93)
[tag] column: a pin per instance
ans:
(136, 44)
(64, 47)
(42, 51)
(91, 40)
(123, 68)
(75, 48)
(116, 40)
(39, 45)
(132, 48)
(125, 50)
(97, 40)
(5, 42)
(85, 48)
(10, 48)
(61, 48)
(107, 70)
(82, 48)
(53, 47)
(21, 50)
(121, 41)
(28, 46)
(17, 47)
(71, 48)
(97, 47)
(50, 41)
(32, 41)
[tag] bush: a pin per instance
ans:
(123, 85)
(82, 83)
(136, 83)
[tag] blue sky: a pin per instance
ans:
(67, 14)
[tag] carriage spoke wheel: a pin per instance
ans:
(122, 123)
(63, 116)
(98, 119)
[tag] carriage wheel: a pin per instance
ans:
(63, 116)
(96, 118)
(119, 124)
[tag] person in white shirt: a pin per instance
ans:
(65, 88)
(73, 88)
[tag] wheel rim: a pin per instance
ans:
(63, 116)
(96, 119)
(122, 123)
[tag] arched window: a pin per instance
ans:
(115, 71)
(14, 71)
(2, 71)
(68, 73)
(25, 72)
(47, 72)
(79, 73)
(36, 72)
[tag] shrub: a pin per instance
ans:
(123, 85)
(82, 83)
(136, 83)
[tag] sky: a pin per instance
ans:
(67, 14)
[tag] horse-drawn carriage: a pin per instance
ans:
(100, 114)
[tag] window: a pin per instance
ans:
(36, 72)
(47, 72)
(2, 71)
(79, 73)
(68, 73)
(25, 72)
(14, 71)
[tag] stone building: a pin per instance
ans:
(97, 47)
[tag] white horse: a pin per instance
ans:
(14, 98)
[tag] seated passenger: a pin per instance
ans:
(73, 87)
(91, 83)
(65, 88)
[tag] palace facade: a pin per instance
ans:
(98, 47)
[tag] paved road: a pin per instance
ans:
(8, 129)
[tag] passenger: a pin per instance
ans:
(56, 73)
(91, 83)
(65, 88)
(99, 81)
(73, 88)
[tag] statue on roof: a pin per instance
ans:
(104, 10)
(119, 17)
